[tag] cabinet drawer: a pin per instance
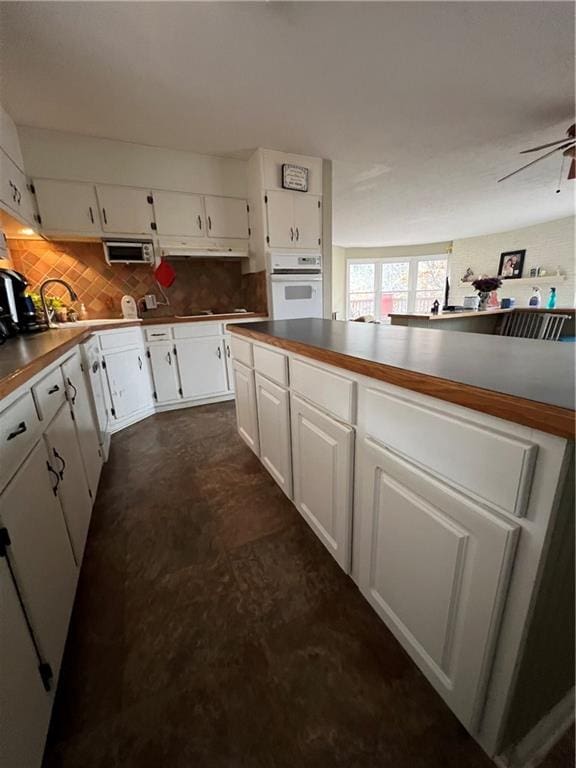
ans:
(273, 365)
(130, 337)
(329, 390)
(49, 394)
(193, 330)
(19, 430)
(242, 351)
(158, 333)
(492, 466)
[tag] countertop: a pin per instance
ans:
(522, 380)
(24, 356)
(478, 314)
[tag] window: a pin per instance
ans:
(380, 287)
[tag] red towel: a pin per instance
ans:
(164, 274)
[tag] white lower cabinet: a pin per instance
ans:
(202, 367)
(246, 409)
(72, 488)
(86, 429)
(40, 552)
(24, 703)
(434, 565)
(128, 381)
(274, 431)
(322, 461)
(164, 372)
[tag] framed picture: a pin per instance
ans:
(511, 264)
(295, 177)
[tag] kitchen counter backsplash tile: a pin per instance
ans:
(200, 283)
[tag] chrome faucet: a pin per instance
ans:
(49, 313)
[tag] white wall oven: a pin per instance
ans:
(295, 285)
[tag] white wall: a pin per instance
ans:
(548, 245)
(339, 281)
(60, 155)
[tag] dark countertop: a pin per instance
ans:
(523, 380)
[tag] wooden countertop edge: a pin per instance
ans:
(552, 419)
(21, 375)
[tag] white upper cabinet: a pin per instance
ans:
(14, 192)
(294, 220)
(126, 209)
(434, 565)
(226, 217)
(67, 206)
(179, 214)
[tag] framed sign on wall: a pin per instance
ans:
(295, 177)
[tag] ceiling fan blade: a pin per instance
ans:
(566, 144)
(545, 146)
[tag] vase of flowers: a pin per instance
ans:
(485, 286)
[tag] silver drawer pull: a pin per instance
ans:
(20, 429)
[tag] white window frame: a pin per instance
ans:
(412, 278)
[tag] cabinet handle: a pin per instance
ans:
(219, 353)
(90, 211)
(139, 362)
(60, 471)
(157, 334)
(291, 234)
(53, 471)
(104, 215)
(199, 222)
(20, 429)
(54, 389)
(209, 223)
(227, 350)
(73, 401)
(169, 358)
(95, 366)
(297, 234)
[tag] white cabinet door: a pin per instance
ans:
(14, 192)
(226, 217)
(73, 492)
(202, 367)
(67, 206)
(280, 219)
(434, 565)
(125, 209)
(307, 221)
(274, 431)
(164, 371)
(40, 553)
(322, 456)
(128, 381)
(229, 369)
(179, 214)
(86, 427)
(24, 703)
(246, 410)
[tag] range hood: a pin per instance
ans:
(202, 252)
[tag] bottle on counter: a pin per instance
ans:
(551, 299)
(82, 312)
(536, 298)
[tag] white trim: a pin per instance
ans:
(538, 742)
(377, 292)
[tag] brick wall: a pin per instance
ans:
(549, 245)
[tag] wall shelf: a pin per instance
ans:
(543, 280)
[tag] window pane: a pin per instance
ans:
(360, 304)
(361, 277)
(425, 299)
(396, 301)
(395, 276)
(431, 274)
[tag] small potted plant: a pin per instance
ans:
(485, 286)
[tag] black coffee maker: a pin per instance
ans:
(17, 311)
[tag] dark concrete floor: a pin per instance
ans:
(213, 630)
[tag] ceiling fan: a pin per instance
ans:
(567, 147)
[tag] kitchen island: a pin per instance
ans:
(437, 471)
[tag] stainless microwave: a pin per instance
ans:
(129, 251)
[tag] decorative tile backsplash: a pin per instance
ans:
(200, 283)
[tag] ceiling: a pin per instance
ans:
(420, 106)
